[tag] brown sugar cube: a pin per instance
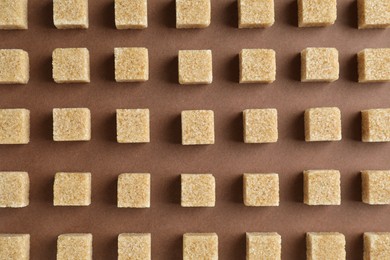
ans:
(14, 189)
(319, 65)
(376, 187)
(325, 245)
(373, 14)
(14, 126)
(316, 13)
(376, 125)
(131, 14)
(71, 124)
(260, 125)
(374, 65)
(13, 14)
(376, 245)
(321, 187)
(74, 246)
(255, 13)
(71, 65)
(134, 190)
(72, 189)
(134, 246)
(197, 127)
(197, 190)
(263, 246)
(15, 246)
(14, 66)
(257, 66)
(132, 126)
(200, 246)
(193, 13)
(261, 189)
(195, 67)
(70, 14)
(131, 64)
(322, 124)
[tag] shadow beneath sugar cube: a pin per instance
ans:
(233, 69)
(107, 248)
(237, 250)
(46, 16)
(231, 14)
(351, 69)
(354, 131)
(108, 128)
(350, 14)
(290, 13)
(354, 194)
(107, 16)
(294, 68)
(296, 127)
(43, 129)
(355, 241)
(173, 131)
(168, 14)
(45, 190)
(293, 191)
(173, 191)
(171, 74)
(297, 247)
(236, 190)
(110, 192)
(109, 68)
(46, 69)
(174, 247)
(236, 128)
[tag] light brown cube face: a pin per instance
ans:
(197, 190)
(132, 126)
(255, 13)
(72, 189)
(319, 65)
(71, 124)
(321, 187)
(263, 246)
(197, 127)
(200, 246)
(376, 125)
(14, 126)
(195, 67)
(134, 246)
(14, 66)
(134, 190)
(14, 189)
(374, 65)
(261, 189)
(260, 125)
(13, 14)
(376, 187)
(257, 66)
(312, 13)
(70, 14)
(374, 14)
(193, 13)
(71, 65)
(131, 14)
(15, 246)
(74, 246)
(131, 64)
(322, 124)
(376, 245)
(322, 245)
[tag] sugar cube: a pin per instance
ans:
(71, 65)
(255, 13)
(376, 187)
(197, 127)
(321, 187)
(261, 189)
(15, 246)
(257, 66)
(374, 14)
(14, 189)
(131, 14)
(322, 124)
(72, 189)
(325, 245)
(195, 67)
(374, 65)
(200, 246)
(376, 245)
(74, 246)
(131, 64)
(376, 125)
(313, 13)
(132, 126)
(193, 13)
(14, 66)
(71, 124)
(260, 125)
(319, 65)
(13, 15)
(14, 126)
(134, 246)
(70, 14)
(197, 190)
(134, 190)
(263, 246)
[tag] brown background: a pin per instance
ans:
(165, 158)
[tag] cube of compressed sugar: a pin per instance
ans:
(322, 124)
(374, 14)
(13, 14)
(71, 65)
(132, 126)
(261, 189)
(319, 65)
(131, 14)
(71, 124)
(74, 246)
(376, 125)
(134, 246)
(15, 246)
(193, 13)
(376, 187)
(263, 246)
(374, 65)
(70, 14)
(131, 64)
(197, 190)
(321, 187)
(197, 127)
(257, 66)
(195, 67)
(376, 245)
(325, 245)
(313, 13)
(14, 189)
(14, 66)
(200, 246)
(255, 13)
(72, 189)
(14, 126)
(260, 125)
(134, 190)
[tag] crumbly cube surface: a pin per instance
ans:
(132, 126)
(13, 15)
(325, 246)
(15, 246)
(14, 189)
(74, 246)
(131, 14)
(14, 126)
(200, 246)
(72, 189)
(197, 190)
(71, 124)
(376, 125)
(374, 14)
(70, 14)
(376, 245)
(313, 13)
(321, 187)
(376, 187)
(195, 67)
(260, 125)
(134, 190)
(131, 64)
(261, 189)
(319, 65)
(197, 127)
(322, 124)
(71, 65)
(374, 65)
(193, 13)
(256, 13)
(14, 66)
(134, 246)
(257, 66)
(263, 246)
